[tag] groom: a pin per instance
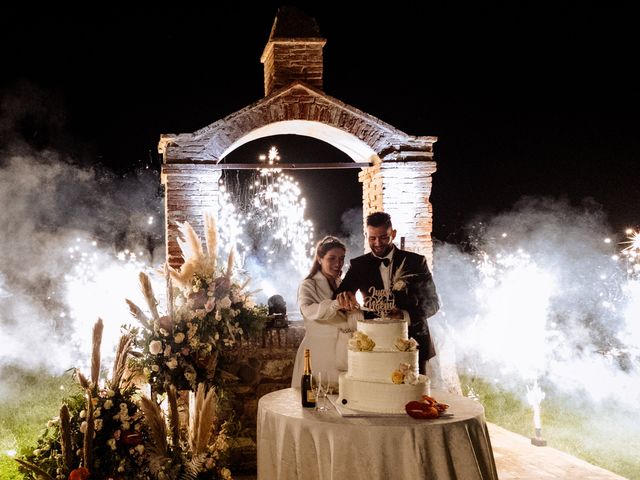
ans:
(413, 289)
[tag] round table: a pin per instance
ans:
(300, 443)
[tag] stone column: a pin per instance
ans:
(190, 190)
(402, 189)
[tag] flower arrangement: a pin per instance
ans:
(100, 429)
(208, 314)
(110, 430)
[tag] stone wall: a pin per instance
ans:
(290, 60)
(190, 190)
(402, 189)
(263, 366)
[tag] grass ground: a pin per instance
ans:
(28, 399)
(607, 437)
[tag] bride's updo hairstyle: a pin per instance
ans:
(322, 247)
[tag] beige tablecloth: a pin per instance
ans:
(299, 443)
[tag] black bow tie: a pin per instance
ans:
(385, 261)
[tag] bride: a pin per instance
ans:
(327, 326)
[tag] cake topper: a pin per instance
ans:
(382, 302)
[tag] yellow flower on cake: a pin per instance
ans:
(361, 342)
(397, 377)
(408, 345)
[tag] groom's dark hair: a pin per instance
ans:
(379, 219)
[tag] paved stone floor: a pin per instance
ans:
(517, 459)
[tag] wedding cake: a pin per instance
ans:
(382, 368)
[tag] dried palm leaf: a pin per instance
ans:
(82, 380)
(195, 403)
(167, 276)
(230, 263)
(35, 469)
(191, 246)
(65, 437)
(120, 361)
(139, 314)
(157, 428)
(184, 275)
(174, 415)
(87, 447)
(211, 236)
(147, 291)
(203, 419)
(95, 354)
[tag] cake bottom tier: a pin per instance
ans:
(377, 397)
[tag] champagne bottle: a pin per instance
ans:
(306, 387)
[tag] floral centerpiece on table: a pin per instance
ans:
(209, 312)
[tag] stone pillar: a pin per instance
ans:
(372, 196)
(190, 190)
(402, 189)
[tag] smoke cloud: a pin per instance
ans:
(538, 294)
(63, 225)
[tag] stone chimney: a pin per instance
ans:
(293, 52)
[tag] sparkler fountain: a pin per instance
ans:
(267, 226)
(535, 395)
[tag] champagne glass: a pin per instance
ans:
(321, 387)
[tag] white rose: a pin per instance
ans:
(179, 337)
(155, 347)
(83, 427)
(411, 378)
(225, 302)
(108, 404)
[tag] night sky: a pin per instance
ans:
(525, 102)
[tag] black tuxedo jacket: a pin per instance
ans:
(419, 299)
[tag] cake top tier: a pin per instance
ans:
(384, 332)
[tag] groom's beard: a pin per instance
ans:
(384, 252)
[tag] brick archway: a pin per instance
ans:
(396, 176)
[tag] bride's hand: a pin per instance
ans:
(347, 301)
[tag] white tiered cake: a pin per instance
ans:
(368, 383)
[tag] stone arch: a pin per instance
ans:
(397, 178)
(344, 141)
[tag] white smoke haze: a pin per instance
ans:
(352, 227)
(540, 297)
(63, 226)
